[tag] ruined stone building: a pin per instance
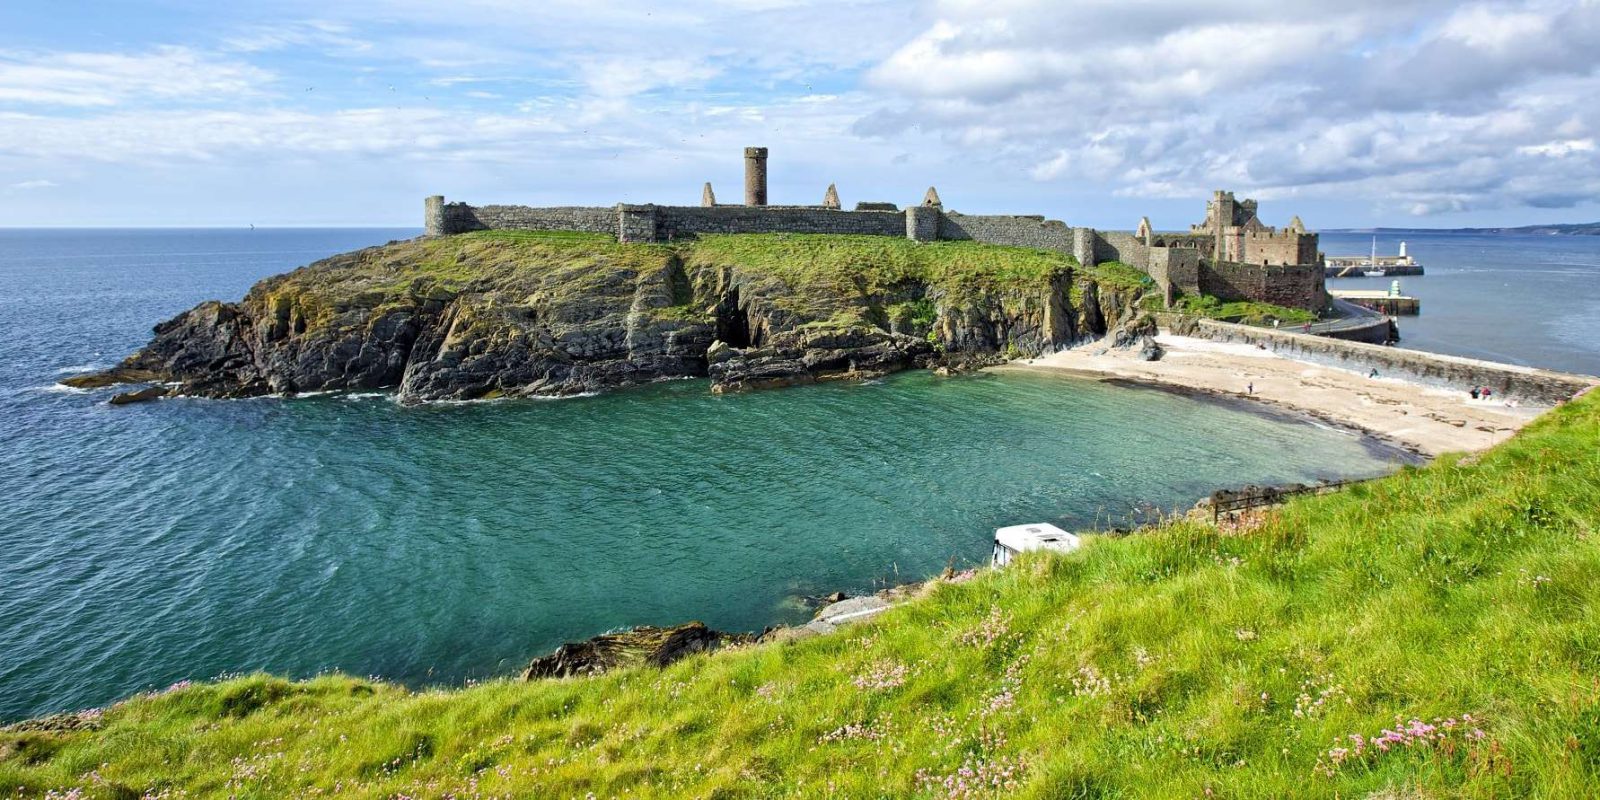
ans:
(1238, 234)
(1232, 255)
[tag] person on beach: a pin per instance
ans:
(1474, 393)
(1487, 393)
(1250, 388)
(1373, 373)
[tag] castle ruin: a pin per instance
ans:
(1232, 255)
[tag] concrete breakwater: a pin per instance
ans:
(1359, 271)
(1509, 381)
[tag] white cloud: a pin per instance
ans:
(1560, 149)
(83, 79)
(1419, 105)
(1426, 106)
(330, 37)
(33, 184)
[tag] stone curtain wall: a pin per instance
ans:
(1017, 231)
(460, 218)
(1120, 246)
(1512, 382)
(1295, 287)
(1176, 270)
(678, 221)
(655, 223)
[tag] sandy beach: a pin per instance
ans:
(1423, 419)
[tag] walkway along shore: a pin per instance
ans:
(1424, 419)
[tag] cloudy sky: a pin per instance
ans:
(1400, 112)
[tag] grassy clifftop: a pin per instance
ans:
(1432, 634)
(512, 314)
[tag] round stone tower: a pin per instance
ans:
(755, 176)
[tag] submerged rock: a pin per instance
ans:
(644, 645)
(112, 377)
(139, 396)
(509, 314)
(957, 363)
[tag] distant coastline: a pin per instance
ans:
(1566, 229)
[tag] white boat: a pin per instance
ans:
(1372, 262)
(1012, 541)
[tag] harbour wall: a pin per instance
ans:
(1509, 381)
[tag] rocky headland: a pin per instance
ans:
(509, 314)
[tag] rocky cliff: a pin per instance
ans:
(495, 314)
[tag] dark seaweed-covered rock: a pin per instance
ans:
(656, 647)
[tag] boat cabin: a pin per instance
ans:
(1012, 541)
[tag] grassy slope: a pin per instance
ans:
(398, 273)
(822, 268)
(870, 264)
(1166, 664)
(819, 269)
(1248, 312)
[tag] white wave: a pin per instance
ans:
(75, 369)
(578, 396)
(548, 398)
(58, 388)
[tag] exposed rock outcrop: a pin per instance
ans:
(504, 314)
(656, 647)
(1150, 349)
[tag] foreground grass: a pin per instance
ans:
(1185, 662)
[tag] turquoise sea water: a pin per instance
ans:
(180, 539)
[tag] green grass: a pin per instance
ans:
(459, 261)
(1183, 662)
(1247, 312)
(1120, 275)
(817, 272)
(876, 264)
